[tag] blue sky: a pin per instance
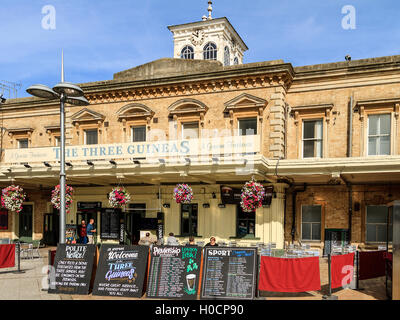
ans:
(102, 37)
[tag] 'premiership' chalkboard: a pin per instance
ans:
(174, 272)
(121, 271)
(229, 273)
(73, 269)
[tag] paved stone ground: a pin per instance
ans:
(28, 286)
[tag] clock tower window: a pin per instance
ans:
(187, 53)
(210, 51)
(227, 57)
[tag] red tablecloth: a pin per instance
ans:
(7, 255)
(289, 275)
(372, 264)
(342, 270)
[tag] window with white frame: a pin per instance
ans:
(57, 141)
(379, 134)
(210, 51)
(91, 136)
(247, 126)
(376, 224)
(187, 53)
(227, 57)
(312, 138)
(311, 222)
(190, 130)
(23, 144)
(138, 134)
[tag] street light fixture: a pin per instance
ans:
(70, 93)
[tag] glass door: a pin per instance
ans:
(25, 223)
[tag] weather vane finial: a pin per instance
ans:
(209, 10)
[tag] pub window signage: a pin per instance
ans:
(110, 220)
(232, 195)
(89, 205)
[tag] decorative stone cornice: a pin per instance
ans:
(134, 110)
(85, 115)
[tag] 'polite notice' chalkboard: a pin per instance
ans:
(174, 272)
(229, 273)
(121, 271)
(73, 269)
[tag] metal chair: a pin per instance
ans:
(26, 251)
(35, 249)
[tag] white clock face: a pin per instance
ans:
(197, 37)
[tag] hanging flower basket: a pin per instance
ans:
(183, 194)
(118, 197)
(56, 197)
(12, 198)
(252, 196)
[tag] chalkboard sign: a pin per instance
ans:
(110, 223)
(229, 273)
(174, 272)
(121, 271)
(73, 269)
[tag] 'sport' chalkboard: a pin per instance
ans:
(229, 273)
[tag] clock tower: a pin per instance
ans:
(209, 39)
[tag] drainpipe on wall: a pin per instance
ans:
(350, 154)
(294, 196)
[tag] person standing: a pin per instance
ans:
(82, 233)
(171, 240)
(212, 243)
(191, 241)
(90, 230)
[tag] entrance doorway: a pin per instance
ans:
(25, 223)
(87, 211)
(189, 214)
(133, 221)
(51, 228)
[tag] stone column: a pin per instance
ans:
(277, 124)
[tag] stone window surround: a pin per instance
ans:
(16, 134)
(142, 117)
(312, 112)
(80, 131)
(96, 121)
(187, 110)
(237, 111)
(53, 132)
(135, 123)
(374, 107)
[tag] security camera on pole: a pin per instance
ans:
(70, 93)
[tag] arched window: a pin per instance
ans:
(236, 61)
(227, 57)
(187, 53)
(210, 51)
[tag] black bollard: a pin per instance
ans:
(19, 258)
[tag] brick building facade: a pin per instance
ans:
(325, 137)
